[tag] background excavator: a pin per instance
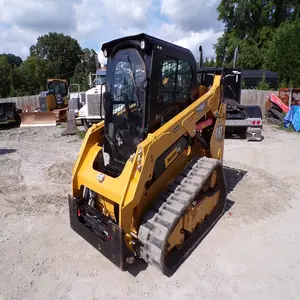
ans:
(53, 105)
(148, 182)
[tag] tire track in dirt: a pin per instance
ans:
(11, 180)
(60, 173)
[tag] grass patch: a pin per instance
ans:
(288, 129)
(81, 134)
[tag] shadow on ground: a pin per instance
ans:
(233, 177)
(9, 126)
(7, 151)
(241, 137)
(138, 266)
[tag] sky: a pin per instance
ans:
(188, 23)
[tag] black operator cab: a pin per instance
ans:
(148, 82)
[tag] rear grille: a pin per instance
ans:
(93, 105)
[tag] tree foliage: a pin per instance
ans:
(283, 54)
(5, 70)
(264, 30)
(263, 85)
(13, 60)
(61, 52)
(89, 64)
(53, 55)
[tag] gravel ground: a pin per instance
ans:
(252, 252)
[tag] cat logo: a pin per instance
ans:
(172, 156)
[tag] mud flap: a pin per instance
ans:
(35, 119)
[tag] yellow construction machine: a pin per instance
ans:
(148, 182)
(53, 105)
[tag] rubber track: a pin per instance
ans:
(170, 206)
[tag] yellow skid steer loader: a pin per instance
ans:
(149, 182)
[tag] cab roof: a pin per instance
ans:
(150, 40)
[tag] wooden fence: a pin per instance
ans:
(256, 97)
(23, 102)
(248, 97)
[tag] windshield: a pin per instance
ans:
(100, 79)
(127, 73)
(58, 87)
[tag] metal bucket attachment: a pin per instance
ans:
(34, 119)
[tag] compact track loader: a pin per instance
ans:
(149, 181)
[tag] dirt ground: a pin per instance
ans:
(252, 252)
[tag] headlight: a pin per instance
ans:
(143, 44)
(105, 53)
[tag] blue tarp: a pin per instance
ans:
(293, 118)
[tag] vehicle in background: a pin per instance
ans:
(9, 114)
(53, 105)
(90, 107)
(278, 106)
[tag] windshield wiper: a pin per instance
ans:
(134, 83)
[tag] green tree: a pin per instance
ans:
(32, 74)
(81, 77)
(283, 55)
(88, 64)
(61, 52)
(5, 69)
(89, 58)
(13, 59)
(263, 85)
(251, 25)
(209, 63)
